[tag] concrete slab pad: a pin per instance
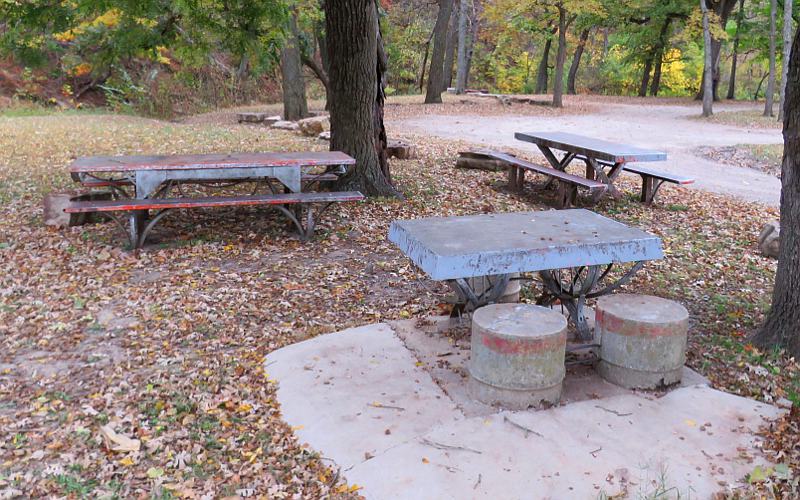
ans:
(357, 393)
(401, 425)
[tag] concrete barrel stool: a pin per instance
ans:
(517, 358)
(509, 295)
(642, 340)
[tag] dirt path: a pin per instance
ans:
(665, 127)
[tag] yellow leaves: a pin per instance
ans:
(425, 460)
(127, 462)
(244, 408)
(297, 427)
(690, 422)
(343, 488)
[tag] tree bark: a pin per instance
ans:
(723, 9)
(658, 58)
(770, 96)
(357, 69)
(782, 326)
(735, 58)
(295, 106)
(708, 66)
(787, 52)
(461, 64)
(648, 67)
(433, 92)
(576, 61)
(450, 52)
(541, 73)
(425, 62)
(561, 56)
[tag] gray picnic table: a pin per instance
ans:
(573, 252)
(598, 155)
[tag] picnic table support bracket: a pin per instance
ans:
(650, 187)
(469, 301)
(574, 293)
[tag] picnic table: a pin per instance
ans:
(604, 161)
(572, 250)
(152, 178)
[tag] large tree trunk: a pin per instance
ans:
(450, 52)
(576, 61)
(708, 66)
(433, 92)
(787, 50)
(782, 326)
(357, 68)
(541, 72)
(769, 104)
(461, 63)
(648, 67)
(295, 106)
(735, 57)
(561, 56)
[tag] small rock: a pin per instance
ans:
(250, 117)
(769, 241)
(314, 125)
(325, 136)
(285, 125)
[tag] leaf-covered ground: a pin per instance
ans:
(167, 348)
(764, 157)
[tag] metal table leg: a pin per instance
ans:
(574, 292)
(470, 300)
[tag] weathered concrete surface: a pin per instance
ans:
(642, 340)
(695, 439)
(517, 355)
(357, 393)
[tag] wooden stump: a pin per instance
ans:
(401, 150)
(478, 160)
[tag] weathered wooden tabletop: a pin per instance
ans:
(591, 147)
(480, 245)
(207, 161)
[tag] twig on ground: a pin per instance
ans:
(615, 412)
(522, 427)
(448, 447)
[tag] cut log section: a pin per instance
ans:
(480, 160)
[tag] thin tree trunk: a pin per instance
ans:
(708, 67)
(735, 58)
(357, 69)
(576, 61)
(782, 326)
(655, 85)
(450, 51)
(561, 56)
(433, 92)
(769, 104)
(648, 67)
(295, 105)
(723, 9)
(541, 73)
(461, 64)
(425, 62)
(787, 52)
(473, 35)
(658, 58)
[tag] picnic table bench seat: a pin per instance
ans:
(651, 179)
(568, 183)
(139, 225)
